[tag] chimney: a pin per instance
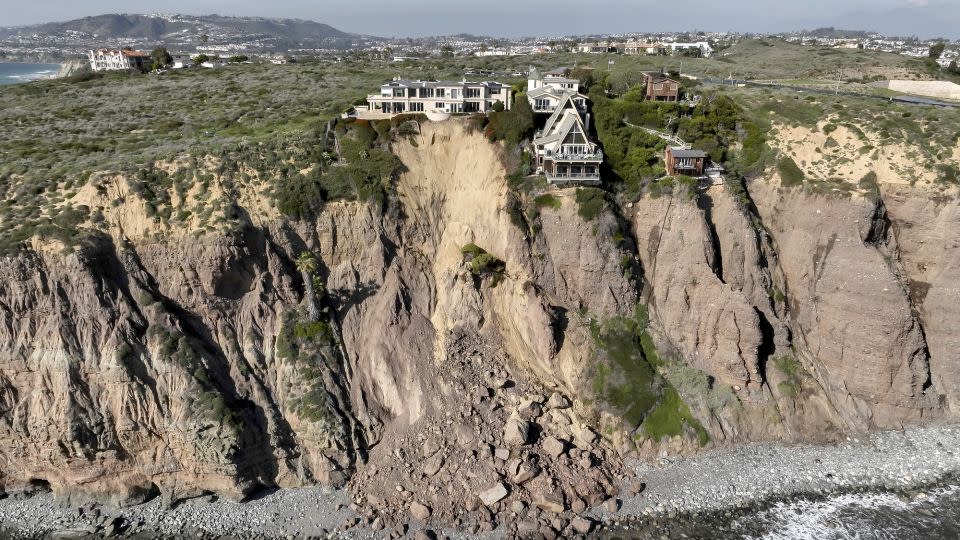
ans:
(587, 123)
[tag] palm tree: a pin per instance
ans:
(307, 265)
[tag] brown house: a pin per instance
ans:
(681, 161)
(662, 88)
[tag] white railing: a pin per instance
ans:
(595, 156)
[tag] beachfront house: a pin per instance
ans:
(682, 161)
(546, 92)
(119, 60)
(402, 96)
(563, 149)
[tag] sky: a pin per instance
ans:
(412, 18)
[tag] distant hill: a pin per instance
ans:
(184, 30)
(157, 26)
(837, 33)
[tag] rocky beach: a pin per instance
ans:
(721, 489)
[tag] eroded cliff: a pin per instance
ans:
(182, 360)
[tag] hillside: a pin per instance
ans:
(156, 27)
(237, 290)
(177, 32)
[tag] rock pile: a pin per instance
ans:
(498, 451)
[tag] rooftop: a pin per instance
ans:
(684, 153)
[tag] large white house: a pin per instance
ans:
(118, 59)
(402, 96)
(547, 92)
(563, 150)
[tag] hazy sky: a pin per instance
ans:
(542, 17)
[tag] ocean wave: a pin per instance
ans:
(862, 516)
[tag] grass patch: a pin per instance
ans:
(627, 382)
(547, 201)
(790, 173)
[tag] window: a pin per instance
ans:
(416, 107)
(472, 93)
(541, 103)
(426, 92)
(441, 92)
(398, 92)
(438, 105)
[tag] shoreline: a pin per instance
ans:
(714, 488)
(727, 483)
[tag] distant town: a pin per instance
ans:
(224, 37)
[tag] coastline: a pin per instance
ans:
(727, 483)
(24, 72)
(714, 489)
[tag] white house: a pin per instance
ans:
(118, 60)
(563, 150)
(403, 96)
(547, 92)
(704, 48)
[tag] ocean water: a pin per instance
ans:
(930, 514)
(19, 73)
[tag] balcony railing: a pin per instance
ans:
(595, 156)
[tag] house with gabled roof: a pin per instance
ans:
(563, 149)
(661, 87)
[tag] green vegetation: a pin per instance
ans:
(590, 202)
(161, 58)
(790, 173)
(547, 201)
(793, 371)
(511, 126)
(716, 125)
(626, 380)
(310, 348)
(483, 264)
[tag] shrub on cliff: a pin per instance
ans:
(790, 173)
(590, 202)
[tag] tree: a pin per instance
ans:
(307, 265)
(953, 68)
(161, 58)
(936, 50)
(200, 59)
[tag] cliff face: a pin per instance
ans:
(182, 362)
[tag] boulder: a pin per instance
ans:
(516, 432)
(420, 511)
(583, 435)
(529, 409)
(494, 494)
(582, 525)
(525, 473)
(553, 447)
(558, 401)
(550, 502)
